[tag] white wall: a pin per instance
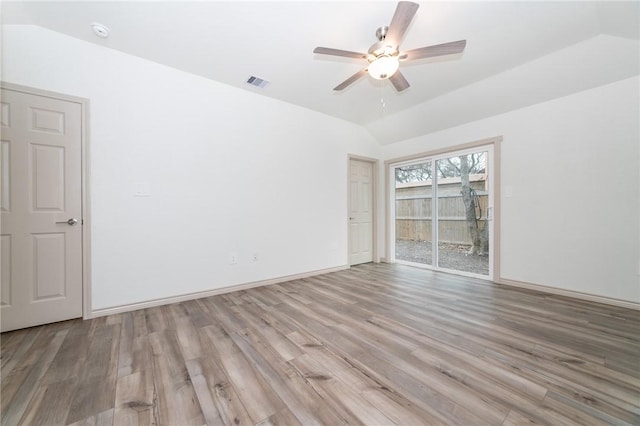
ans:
(228, 170)
(561, 73)
(572, 163)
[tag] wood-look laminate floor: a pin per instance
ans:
(376, 344)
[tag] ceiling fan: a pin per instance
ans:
(384, 56)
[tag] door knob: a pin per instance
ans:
(71, 222)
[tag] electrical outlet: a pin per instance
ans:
(255, 257)
(233, 258)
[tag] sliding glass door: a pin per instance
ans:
(463, 201)
(442, 212)
(413, 218)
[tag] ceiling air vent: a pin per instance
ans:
(258, 82)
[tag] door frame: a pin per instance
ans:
(84, 182)
(374, 201)
(495, 142)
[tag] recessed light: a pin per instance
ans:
(100, 30)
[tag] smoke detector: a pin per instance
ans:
(100, 30)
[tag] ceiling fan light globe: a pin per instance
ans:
(383, 67)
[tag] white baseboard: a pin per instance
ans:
(198, 295)
(570, 293)
(191, 296)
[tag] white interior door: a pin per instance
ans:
(360, 212)
(41, 206)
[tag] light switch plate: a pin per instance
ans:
(141, 189)
(508, 191)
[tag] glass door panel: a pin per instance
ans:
(413, 218)
(462, 204)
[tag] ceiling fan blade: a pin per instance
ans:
(403, 16)
(338, 52)
(350, 80)
(399, 82)
(435, 50)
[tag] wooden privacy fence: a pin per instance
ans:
(413, 211)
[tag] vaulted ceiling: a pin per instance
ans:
(518, 53)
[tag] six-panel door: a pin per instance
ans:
(360, 212)
(41, 191)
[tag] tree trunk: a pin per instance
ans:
(469, 206)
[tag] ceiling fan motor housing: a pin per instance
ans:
(381, 49)
(381, 32)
